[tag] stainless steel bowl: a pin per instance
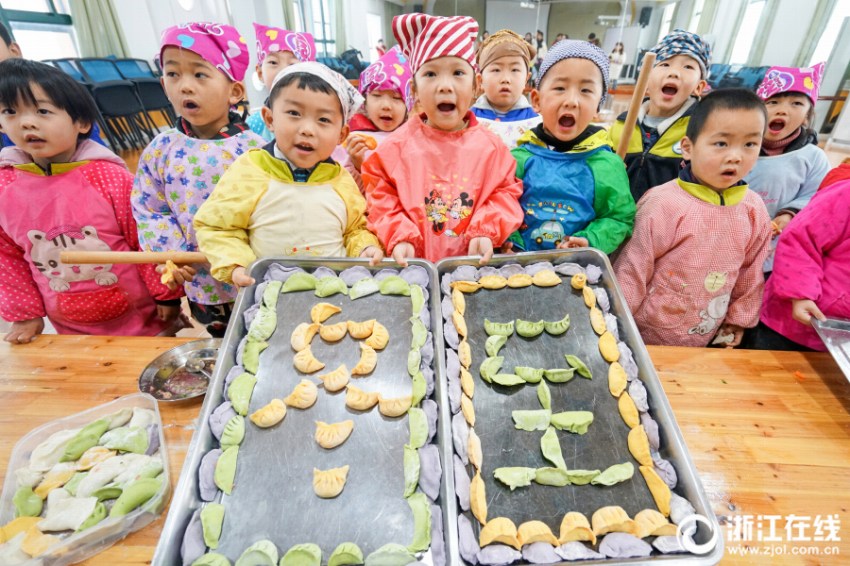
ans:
(168, 379)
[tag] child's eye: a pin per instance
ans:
(170, 74)
(43, 111)
(752, 144)
(293, 113)
(720, 144)
(430, 74)
(200, 75)
(587, 90)
(770, 103)
(324, 120)
(7, 111)
(459, 73)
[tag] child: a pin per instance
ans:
(61, 191)
(811, 274)
(277, 49)
(694, 262)
(575, 189)
(385, 85)
(442, 185)
(654, 154)
(181, 166)
(791, 165)
(289, 198)
(504, 62)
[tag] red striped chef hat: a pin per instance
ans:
(423, 37)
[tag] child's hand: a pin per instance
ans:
(374, 253)
(736, 331)
(179, 275)
(402, 251)
(482, 246)
(573, 242)
(357, 149)
(507, 248)
(780, 222)
(25, 331)
(804, 309)
(167, 313)
(241, 278)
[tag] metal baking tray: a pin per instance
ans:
(605, 443)
(835, 334)
(371, 510)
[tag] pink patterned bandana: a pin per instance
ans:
(805, 80)
(390, 72)
(272, 40)
(219, 45)
(423, 37)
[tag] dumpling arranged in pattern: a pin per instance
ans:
(303, 396)
(328, 484)
(332, 435)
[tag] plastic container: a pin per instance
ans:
(79, 546)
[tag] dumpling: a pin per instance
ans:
(589, 297)
(270, 415)
(464, 354)
(359, 400)
(460, 323)
(608, 347)
(323, 311)
(466, 286)
(459, 301)
(546, 278)
(303, 396)
(303, 335)
(493, 282)
(578, 281)
(305, 362)
(597, 321)
(334, 434)
(368, 360)
(336, 380)
(333, 332)
(361, 330)
(329, 483)
(394, 407)
(380, 337)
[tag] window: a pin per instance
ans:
(830, 32)
(747, 32)
(696, 15)
(298, 15)
(323, 28)
(666, 20)
(41, 27)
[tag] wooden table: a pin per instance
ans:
(769, 431)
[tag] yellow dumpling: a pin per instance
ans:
(639, 446)
(608, 347)
(333, 332)
(305, 362)
(466, 286)
(578, 281)
(303, 396)
(270, 415)
(652, 523)
(628, 410)
(473, 444)
(460, 323)
(500, 529)
(535, 531)
(329, 483)
(464, 354)
(336, 380)
(478, 498)
(660, 491)
(334, 434)
(467, 383)
(94, 455)
(467, 409)
(368, 360)
(361, 330)
(617, 379)
(574, 526)
(518, 280)
(35, 543)
(323, 311)
(459, 301)
(394, 407)
(546, 278)
(380, 337)
(493, 282)
(57, 477)
(589, 297)
(597, 320)
(612, 519)
(303, 335)
(359, 400)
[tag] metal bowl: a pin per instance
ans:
(167, 378)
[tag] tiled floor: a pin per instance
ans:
(616, 105)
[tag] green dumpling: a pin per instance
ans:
(251, 355)
(418, 423)
(239, 392)
(494, 344)
(234, 431)
(74, 482)
(531, 420)
(307, 554)
(225, 469)
(615, 474)
(363, 288)
(582, 477)
(212, 519)
(263, 325)
(508, 379)
(395, 285)
(421, 522)
(529, 329)
(327, 286)
(390, 555)
(420, 333)
(301, 281)
(271, 294)
(27, 503)
(135, 495)
(261, 553)
(501, 328)
(579, 366)
(557, 327)
(515, 477)
(528, 374)
(573, 421)
(108, 492)
(555, 477)
(414, 358)
(544, 395)
(419, 389)
(411, 470)
(490, 366)
(559, 375)
(85, 439)
(551, 447)
(98, 515)
(417, 299)
(126, 439)
(212, 559)
(346, 554)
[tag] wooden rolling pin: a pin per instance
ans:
(180, 258)
(634, 105)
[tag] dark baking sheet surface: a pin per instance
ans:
(503, 445)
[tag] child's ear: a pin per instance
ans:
(700, 87)
(479, 83)
(535, 100)
(259, 69)
(15, 50)
(237, 92)
(266, 113)
(687, 148)
(343, 134)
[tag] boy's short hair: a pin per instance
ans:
(5, 35)
(722, 99)
(303, 81)
(18, 75)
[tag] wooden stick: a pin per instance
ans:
(180, 258)
(634, 105)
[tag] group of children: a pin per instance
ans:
(412, 165)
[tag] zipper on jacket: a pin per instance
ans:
(722, 202)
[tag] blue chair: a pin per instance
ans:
(150, 89)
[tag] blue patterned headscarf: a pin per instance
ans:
(576, 49)
(681, 42)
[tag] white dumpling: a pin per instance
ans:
(142, 418)
(147, 463)
(65, 512)
(11, 553)
(27, 477)
(106, 471)
(48, 453)
(119, 418)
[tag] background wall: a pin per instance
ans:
(578, 19)
(503, 14)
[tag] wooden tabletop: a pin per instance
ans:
(769, 433)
